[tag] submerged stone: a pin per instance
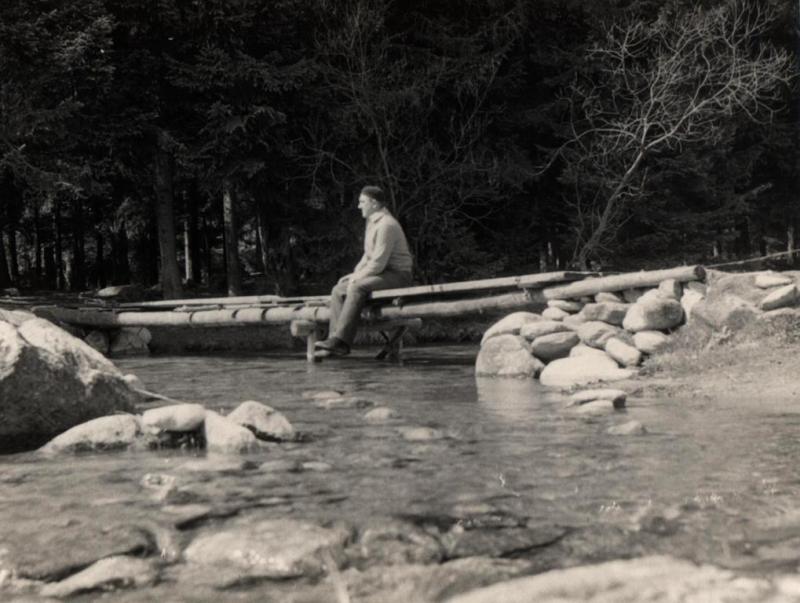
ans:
(226, 436)
(582, 370)
(381, 415)
(278, 548)
(628, 428)
(107, 574)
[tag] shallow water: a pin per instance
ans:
(713, 480)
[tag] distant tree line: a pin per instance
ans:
(221, 144)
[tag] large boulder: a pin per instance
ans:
(116, 432)
(653, 313)
(510, 324)
(51, 381)
(507, 356)
(582, 370)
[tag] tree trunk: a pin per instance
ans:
(263, 237)
(121, 270)
(5, 278)
(78, 280)
(170, 277)
(37, 245)
(790, 241)
(231, 240)
(100, 270)
(208, 260)
(13, 256)
(58, 247)
(192, 238)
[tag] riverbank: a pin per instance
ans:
(760, 362)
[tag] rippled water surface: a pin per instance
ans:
(713, 480)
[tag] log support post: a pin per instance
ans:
(311, 331)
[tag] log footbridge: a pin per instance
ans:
(391, 312)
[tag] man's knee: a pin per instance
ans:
(358, 287)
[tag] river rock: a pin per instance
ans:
(344, 402)
(51, 381)
(323, 394)
(52, 548)
(650, 342)
(554, 314)
(119, 571)
(381, 414)
(115, 432)
(567, 305)
(226, 436)
(276, 548)
(507, 356)
(631, 295)
(582, 370)
(175, 417)
(389, 541)
(611, 312)
(616, 396)
(584, 350)
(493, 542)
(653, 314)
(595, 407)
(264, 421)
(671, 288)
(509, 325)
(595, 333)
(653, 578)
(130, 341)
(99, 341)
(15, 317)
(689, 300)
(780, 298)
(721, 311)
(421, 434)
(573, 321)
(624, 354)
(417, 583)
(767, 280)
(554, 345)
(628, 428)
(533, 330)
(134, 382)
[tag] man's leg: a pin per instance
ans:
(338, 295)
(356, 297)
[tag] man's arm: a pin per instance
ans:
(372, 264)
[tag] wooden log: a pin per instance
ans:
(525, 281)
(531, 300)
(620, 282)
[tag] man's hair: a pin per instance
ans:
(375, 192)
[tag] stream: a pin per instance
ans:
(505, 463)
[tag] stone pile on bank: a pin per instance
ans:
(606, 336)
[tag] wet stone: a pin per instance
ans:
(628, 428)
(421, 434)
(175, 417)
(500, 542)
(52, 552)
(381, 414)
(105, 433)
(218, 464)
(107, 574)
(322, 395)
(343, 402)
(280, 548)
(264, 421)
(318, 466)
(389, 541)
(280, 466)
(226, 436)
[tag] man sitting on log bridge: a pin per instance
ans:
(386, 264)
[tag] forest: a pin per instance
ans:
(196, 146)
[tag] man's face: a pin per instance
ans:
(367, 205)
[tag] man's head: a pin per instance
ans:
(371, 200)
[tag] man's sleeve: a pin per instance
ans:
(386, 238)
